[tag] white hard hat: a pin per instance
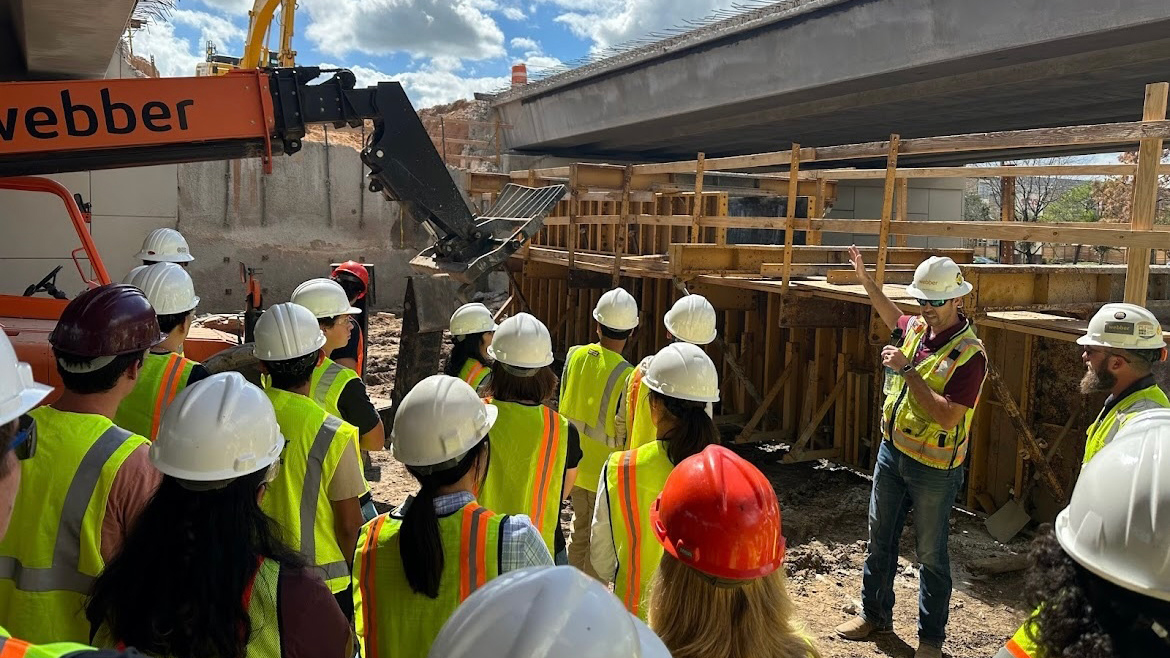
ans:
(167, 287)
(545, 612)
(692, 318)
(19, 392)
(522, 341)
(938, 277)
(617, 310)
(287, 331)
(1117, 524)
(474, 318)
(684, 371)
(219, 428)
(438, 422)
(1124, 326)
(165, 245)
(324, 297)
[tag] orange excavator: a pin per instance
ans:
(78, 125)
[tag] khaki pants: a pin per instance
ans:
(583, 502)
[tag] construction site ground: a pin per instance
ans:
(824, 517)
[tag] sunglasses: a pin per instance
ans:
(935, 303)
(24, 444)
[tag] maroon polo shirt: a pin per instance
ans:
(963, 386)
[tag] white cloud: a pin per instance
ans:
(513, 13)
(524, 43)
(533, 55)
(173, 55)
(234, 7)
(610, 22)
(221, 31)
(434, 83)
(536, 62)
(421, 28)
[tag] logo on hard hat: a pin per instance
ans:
(1146, 330)
(959, 279)
(1119, 328)
(1120, 315)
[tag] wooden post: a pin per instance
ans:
(622, 233)
(574, 212)
(790, 216)
(903, 205)
(887, 208)
(1035, 452)
(1145, 196)
(697, 205)
(1007, 213)
(818, 211)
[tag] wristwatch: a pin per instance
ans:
(907, 368)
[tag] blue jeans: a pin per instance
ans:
(900, 484)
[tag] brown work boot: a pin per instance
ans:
(928, 650)
(858, 629)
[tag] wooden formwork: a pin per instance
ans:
(798, 338)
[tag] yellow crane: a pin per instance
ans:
(256, 51)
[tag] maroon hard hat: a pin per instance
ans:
(109, 320)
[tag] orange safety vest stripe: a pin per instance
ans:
(1016, 650)
(541, 484)
(627, 488)
(367, 586)
(170, 388)
(13, 648)
(473, 562)
(632, 398)
(476, 368)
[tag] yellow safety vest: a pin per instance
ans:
(11, 647)
(297, 499)
(261, 600)
(1021, 645)
(473, 372)
(640, 427)
(52, 552)
(913, 431)
(328, 381)
(1102, 431)
(633, 480)
(394, 621)
(527, 468)
(595, 379)
(160, 379)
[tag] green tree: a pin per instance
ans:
(975, 208)
(1076, 205)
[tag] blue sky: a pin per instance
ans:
(441, 50)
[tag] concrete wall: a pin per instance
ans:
(930, 199)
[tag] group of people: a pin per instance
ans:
(155, 507)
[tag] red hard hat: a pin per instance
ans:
(109, 320)
(718, 514)
(357, 269)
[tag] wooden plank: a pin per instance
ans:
(697, 200)
(1035, 452)
(1007, 213)
(901, 214)
(887, 208)
(725, 298)
(762, 407)
(620, 240)
(1113, 235)
(810, 429)
(818, 210)
(813, 312)
(849, 277)
(1145, 196)
(790, 218)
(689, 259)
(574, 211)
(980, 171)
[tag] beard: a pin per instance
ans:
(1097, 380)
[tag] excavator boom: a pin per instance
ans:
(53, 127)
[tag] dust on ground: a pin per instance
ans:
(825, 510)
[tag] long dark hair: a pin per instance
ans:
(462, 349)
(1082, 615)
(694, 430)
(506, 387)
(177, 586)
(419, 542)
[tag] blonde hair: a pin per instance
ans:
(699, 618)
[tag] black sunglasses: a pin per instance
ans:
(936, 303)
(24, 444)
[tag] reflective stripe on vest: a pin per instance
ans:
(473, 372)
(52, 551)
(526, 472)
(1021, 645)
(593, 375)
(634, 479)
(640, 427)
(160, 379)
(912, 430)
(1103, 429)
(392, 619)
(11, 647)
(328, 381)
(297, 499)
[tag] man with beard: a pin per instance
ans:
(1122, 343)
(934, 378)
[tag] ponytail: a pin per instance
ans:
(693, 429)
(462, 349)
(419, 543)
